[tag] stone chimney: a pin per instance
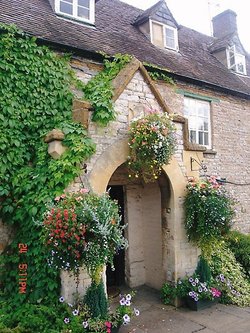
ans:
(224, 23)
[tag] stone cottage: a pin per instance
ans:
(210, 100)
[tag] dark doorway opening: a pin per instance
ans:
(116, 278)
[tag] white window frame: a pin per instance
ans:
(164, 26)
(91, 19)
(239, 60)
(176, 47)
(196, 127)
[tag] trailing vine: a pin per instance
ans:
(35, 97)
(157, 73)
(99, 90)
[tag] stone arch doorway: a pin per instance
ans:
(143, 209)
(156, 256)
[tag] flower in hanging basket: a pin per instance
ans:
(209, 210)
(152, 142)
(83, 229)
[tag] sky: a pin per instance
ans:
(197, 14)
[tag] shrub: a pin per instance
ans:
(203, 270)
(229, 273)
(239, 244)
(96, 300)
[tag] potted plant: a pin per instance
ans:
(152, 143)
(198, 291)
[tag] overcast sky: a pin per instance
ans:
(196, 14)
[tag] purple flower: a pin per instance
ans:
(191, 280)
(66, 320)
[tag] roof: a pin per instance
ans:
(115, 32)
(150, 13)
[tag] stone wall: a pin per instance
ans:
(230, 156)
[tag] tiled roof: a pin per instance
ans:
(114, 32)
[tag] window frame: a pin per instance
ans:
(197, 117)
(236, 63)
(74, 16)
(164, 27)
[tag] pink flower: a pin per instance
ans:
(215, 292)
(84, 190)
(108, 324)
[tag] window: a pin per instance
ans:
(198, 114)
(236, 61)
(82, 10)
(164, 35)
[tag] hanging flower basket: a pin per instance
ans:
(83, 229)
(152, 142)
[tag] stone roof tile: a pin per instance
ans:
(114, 32)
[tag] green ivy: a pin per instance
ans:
(157, 73)
(99, 90)
(36, 97)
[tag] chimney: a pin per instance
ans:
(224, 23)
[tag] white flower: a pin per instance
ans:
(61, 299)
(122, 301)
(75, 312)
(136, 312)
(85, 324)
(128, 297)
(126, 319)
(127, 302)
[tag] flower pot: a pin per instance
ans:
(115, 329)
(201, 304)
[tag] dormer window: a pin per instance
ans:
(82, 10)
(163, 35)
(236, 61)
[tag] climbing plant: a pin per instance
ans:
(35, 97)
(99, 90)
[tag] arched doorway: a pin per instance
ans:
(143, 209)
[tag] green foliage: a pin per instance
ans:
(160, 76)
(239, 244)
(35, 85)
(229, 273)
(96, 300)
(30, 318)
(99, 90)
(168, 293)
(203, 270)
(152, 143)
(158, 73)
(208, 211)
